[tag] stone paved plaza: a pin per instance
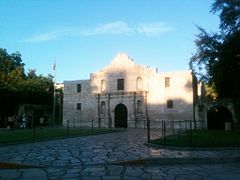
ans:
(112, 156)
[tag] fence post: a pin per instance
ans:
(92, 126)
(186, 125)
(67, 128)
(180, 122)
(173, 127)
(34, 131)
(148, 130)
(190, 134)
(164, 130)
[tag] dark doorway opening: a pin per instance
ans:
(217, 116)
(120, 116)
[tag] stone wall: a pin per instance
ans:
(77, 117)
(144, 95)
(180, 92)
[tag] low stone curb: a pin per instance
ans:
(6, 165)
(174, 161)
(187, 148)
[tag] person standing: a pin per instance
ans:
(24, 121)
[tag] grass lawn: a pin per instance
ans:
(46, 133)
(207, 138)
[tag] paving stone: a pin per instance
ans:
(115, 170)
(130, 178)
(31, 161)
(75, 153)
(34, 173)
(49, 158)
(60, 162)
(94, 169)
(90, 178)
(111, 177)
(71, 175)
(133, 172)
(18, 159)
(9, 173)
(55, 172)
(146, 176)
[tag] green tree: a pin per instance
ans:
(226, 71)
(18, 88)
(31, 74)
(36, 90)
(11, 72)
(217, 60)
(229, 12)
(10, 62)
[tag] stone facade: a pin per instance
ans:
(125, 94)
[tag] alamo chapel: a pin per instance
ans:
(125, 94)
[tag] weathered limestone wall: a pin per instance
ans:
(72, 97)
(142, 85)
(180, 92)
(121, 68)
(135, 81)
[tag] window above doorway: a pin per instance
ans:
(169, 104)
(120, 84)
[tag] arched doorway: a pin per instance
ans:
(120, 116)
(217, 116)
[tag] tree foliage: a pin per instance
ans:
(38, 90)
(217, 60)
(16, 87)
(229, 12)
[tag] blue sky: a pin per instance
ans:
(85, 35)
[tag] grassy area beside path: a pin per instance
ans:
(207, 138)
(14, 136)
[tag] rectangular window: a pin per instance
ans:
(79, 88)
(167, 82)
(170, 104)
(79, 106)
(120, 84)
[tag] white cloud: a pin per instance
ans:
(153, 29)
(50, 35)
(118, 27)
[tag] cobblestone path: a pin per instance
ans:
(103, 157)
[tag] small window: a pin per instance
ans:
(79, 106)
(120, 84)
(170, 104)
(167, 81)
(79, 88)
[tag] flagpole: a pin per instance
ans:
(54, 92)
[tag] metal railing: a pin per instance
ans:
(159, 129)
(166, 129)
(39, 132)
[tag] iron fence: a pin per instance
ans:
(158, 129)
(45, 132)
(168, 129)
